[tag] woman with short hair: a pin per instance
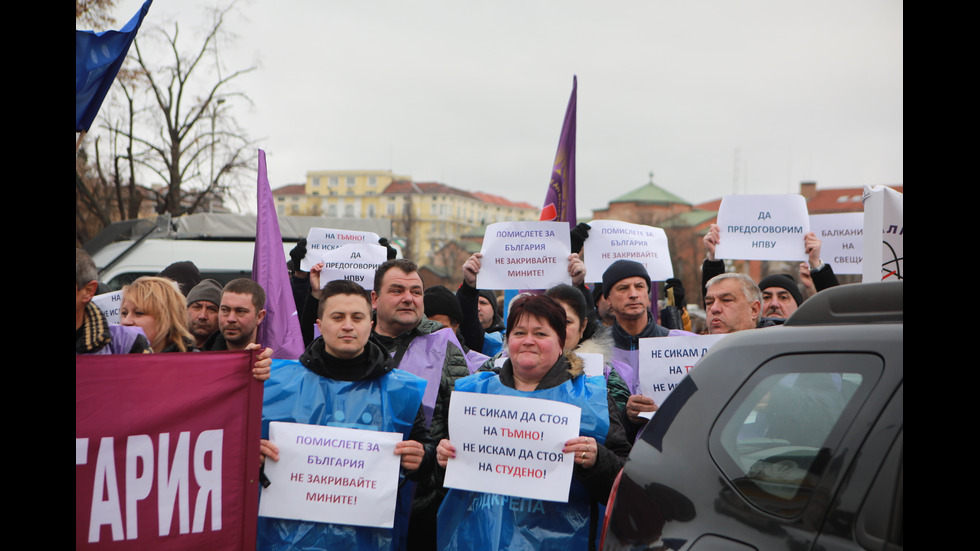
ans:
(538, 368)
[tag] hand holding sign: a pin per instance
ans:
(762, 227)
(524, 255)
(664, 362)
(611, 240)
(322, 240)
(841, 239)
(332, 474)
(513, 445)
(639, 408)
(356, 263)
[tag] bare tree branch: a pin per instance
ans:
(174, 132)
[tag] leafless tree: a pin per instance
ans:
(168, 134)
(197, 149)
(94, 14)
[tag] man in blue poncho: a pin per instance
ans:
(345, 379)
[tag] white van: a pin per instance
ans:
(220, 245)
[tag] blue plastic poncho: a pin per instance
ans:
(388, 403)
(491, 521)
(425, 357)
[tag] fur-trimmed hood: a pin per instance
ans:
(576, 366)
(600, 343)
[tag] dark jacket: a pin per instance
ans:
(188, 346)
(470, 327)
(453, 367)
(302, 298)
(428, 495)
(624, 341)
(215, 342)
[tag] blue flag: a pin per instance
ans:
(98, 57)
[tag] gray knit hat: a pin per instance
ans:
(209, 290)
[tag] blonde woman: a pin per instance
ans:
(156, 305)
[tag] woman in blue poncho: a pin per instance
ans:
(537, 368)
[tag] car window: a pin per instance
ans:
(781, 429)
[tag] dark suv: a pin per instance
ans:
(788, 437)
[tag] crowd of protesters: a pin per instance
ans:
(410, 347)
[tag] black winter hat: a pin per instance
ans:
(440, 300)
(784, 281)
(620, 270)
(185, 273)
(491, 298)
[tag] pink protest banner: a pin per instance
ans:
(166, 451)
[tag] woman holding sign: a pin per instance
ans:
(537, 368)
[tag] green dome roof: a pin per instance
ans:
(650, 193)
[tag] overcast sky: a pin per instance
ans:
(712, 96)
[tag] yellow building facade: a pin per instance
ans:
(425, 216)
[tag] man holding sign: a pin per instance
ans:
(768, 227)
(626, 285)
(343, 380)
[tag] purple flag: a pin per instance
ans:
(98, 57)
(559, 203)
(280, 328)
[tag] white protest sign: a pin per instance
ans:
(524, 255)
(841, 240)
(356, 263)
(332, 474)
(884, 259)
(511, 445)
(665, 361)
(321, 240)
(762, 227)
(593, 362)
(108, 304)
(611, 240)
